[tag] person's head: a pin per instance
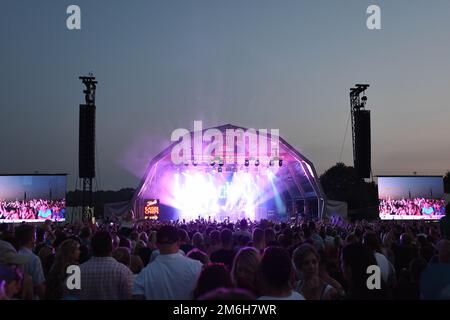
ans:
(245, 268)
(183, 235)
(444, 251)
(269, 235)
(276, 270)
(370, 239)
(85, 233)
(122, 255)
(125, 242)
(197, 254)
(197, 240)
(306, 259)
(67, 253)
(143, 237)
(26, 235)
(405, 239)
(243, 225)
(101, 244)
(213, 276)
(136, 264)
(139, 245)
(258, 236)
(167, 240)
(214, 237)
(226, 237)
(44, 253)
(134, 236)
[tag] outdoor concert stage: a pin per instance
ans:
(240, 182)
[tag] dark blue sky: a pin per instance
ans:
(265, 64)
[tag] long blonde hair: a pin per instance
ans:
(245, 265)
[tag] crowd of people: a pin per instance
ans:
(412, 207)
(303, 260)
(33, 209)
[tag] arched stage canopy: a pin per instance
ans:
(280, 186)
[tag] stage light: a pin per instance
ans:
(195, 163)
(257, 162)
(270, 163)
(213, 163)
(280, 162)
(219, 169)
(246, 163)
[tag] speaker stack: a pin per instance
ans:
(362, 143)
(86, 147)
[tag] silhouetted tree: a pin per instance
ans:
(447, 182)
(342, 183)
(73, 198)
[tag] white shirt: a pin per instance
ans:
(293, 296)
(386, 268)
(156, 253)
(168, 277)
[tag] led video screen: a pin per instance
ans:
(411, 197)
(32, 198)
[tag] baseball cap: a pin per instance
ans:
(9, 255)
(167, 235)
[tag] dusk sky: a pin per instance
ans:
(416, 187)
(160, 65)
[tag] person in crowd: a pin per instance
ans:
(270, 237)
(198, 241)
(136, 264)
(102, 277)
(214, 241)
(307, 260)
(11, 279)
(243, 235)
(226, 253)
(185, 243)
(122, 255)
(355, 260)
(198, 255)
(245, 269)
(404, 252)
(444, 223)
(277, 276)
(171, 275)
(258, 239)
(370, 239)
(10, 258)
(67, 254)
(315, 237)
(26, 236)
(213, 276)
